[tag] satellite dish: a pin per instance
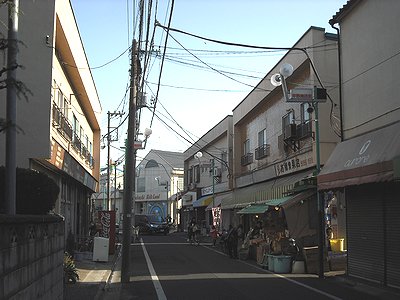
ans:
(276, 80)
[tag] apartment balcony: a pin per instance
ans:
(247, 159)
(262, 151)
(304, 130)
(61, 123)
(76, 143)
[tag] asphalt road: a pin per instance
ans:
(167, 267)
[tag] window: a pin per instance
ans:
(141, 184)
(81, 134)
(246, 147)
(262, 137)
(75, 124)
(305, 115)
(180, 184)
(60, 99)
(65, 107)
(263, 149)
(196, 173)
(288, 119)
(190, 175)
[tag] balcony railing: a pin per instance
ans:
(65, 129)
(262, 151)
(61, 123)
(247, 159)
(77, 143)
(304, 130)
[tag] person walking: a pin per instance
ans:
(232, 242)
(190, 229)
(213, 235)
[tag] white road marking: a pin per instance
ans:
(154, 277)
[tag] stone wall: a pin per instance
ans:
(31, 257)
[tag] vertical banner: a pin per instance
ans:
(217, 217)
(107, 229)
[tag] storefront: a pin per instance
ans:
(367, 170)
(272, 224)
(186, 211)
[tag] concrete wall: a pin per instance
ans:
(370, 45)
(31, 258)
(36, 56)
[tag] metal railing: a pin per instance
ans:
(247, 159)
(262, 151)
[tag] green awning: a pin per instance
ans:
(254, 209)
(278, 202)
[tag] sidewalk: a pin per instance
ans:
(93, 278)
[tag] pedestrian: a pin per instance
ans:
(240, 234)
(213, 234)
(232, 242)
(190, 229)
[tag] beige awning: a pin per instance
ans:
(261, 192)
(363, 159)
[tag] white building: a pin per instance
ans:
(159, 184)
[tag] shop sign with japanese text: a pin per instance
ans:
(294, 164)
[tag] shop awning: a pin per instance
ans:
(278, 202)
(203, 201)
(257, 193)
(217, 201)
(363, 159)
(254, 209)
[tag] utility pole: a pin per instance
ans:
(109, 140)
(115, 184)
(11, 118)
(130, 162)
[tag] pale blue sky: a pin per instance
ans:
(187, 91)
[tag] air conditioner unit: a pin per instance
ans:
(217, 172)
(289, 132)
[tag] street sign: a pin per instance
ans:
(137, 145)
(307, 95)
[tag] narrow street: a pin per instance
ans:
(167, 267)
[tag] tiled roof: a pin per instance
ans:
(343, 11)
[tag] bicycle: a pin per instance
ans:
(196, 237)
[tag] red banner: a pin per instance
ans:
(107, 228)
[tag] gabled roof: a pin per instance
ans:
(170, 158)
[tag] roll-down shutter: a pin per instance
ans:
(392, 208)
(365, 232)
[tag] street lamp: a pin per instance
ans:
(314, 96)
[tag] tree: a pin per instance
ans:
(36, 192)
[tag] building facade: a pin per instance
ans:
(159, 183)
(59, 122)
(208, 175)
(365, 165)
(275, 142)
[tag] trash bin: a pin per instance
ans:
(271, 263)
(282, 264)
(337, 245)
